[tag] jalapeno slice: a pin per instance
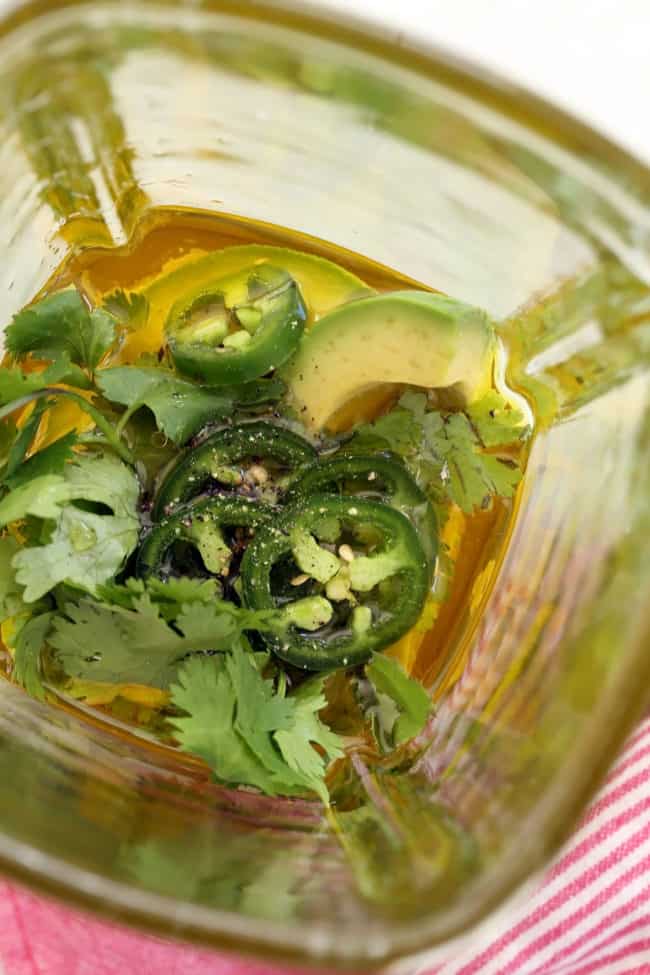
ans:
(200, 527)
(240, 329)
(349, 574)
(250, 458)
(379, 476)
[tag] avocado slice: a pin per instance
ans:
(416, 338)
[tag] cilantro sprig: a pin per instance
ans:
(103, 424)
(144, 632)
(82, 546)
(62, 325)
(454, 456)
(179, 635)
(180, 407)
(133, 633)
(248, 731)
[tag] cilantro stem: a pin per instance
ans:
(112, 435)
(126, 416)
(86, 440)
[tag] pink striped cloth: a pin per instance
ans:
(590, 916)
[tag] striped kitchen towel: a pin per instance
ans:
(591, 915)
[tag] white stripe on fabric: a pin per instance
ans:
(605, 847)
(573, 904)
(610, 941)
(597, 916)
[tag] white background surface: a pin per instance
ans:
(590, 56)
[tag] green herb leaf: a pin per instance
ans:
(99, 643)
(51, 460)
(14, 383)
(409, 696)
(170, 595)
(28, 646)
(62, 323)
(180, 408)
(182, 591)
(205, 692)
(497, 421)
(468, 475)
(258, 713)
(41, 498)
(63, 371)
(85, 548)
(401, 428)
(128, 307)
(11, 594)
(135, 644)
(305, 730)
(445, 453)
(249, 734)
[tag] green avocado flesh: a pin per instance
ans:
(411, 337)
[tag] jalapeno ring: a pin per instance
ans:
(386, 588)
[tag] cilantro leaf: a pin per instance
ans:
(11, 594)
(41, 497)
(170, 595)
(104, 479)
(468, 475)
(62, 370)
(14, 383)
(259, 708)
(135, 644)
(182, 591)
(180, 407)
(305, 730)
(51, 460)
(413, 704)
(210, 630)
(249, 734)
(444, 450)
(121, 594)
(129, 307)
(205, 692)
(28, 646)
(62, 323)
(94, 642)
(401, 428)
(259, 712)
(85, 548)
(497, 421)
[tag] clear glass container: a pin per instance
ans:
(109, 110)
